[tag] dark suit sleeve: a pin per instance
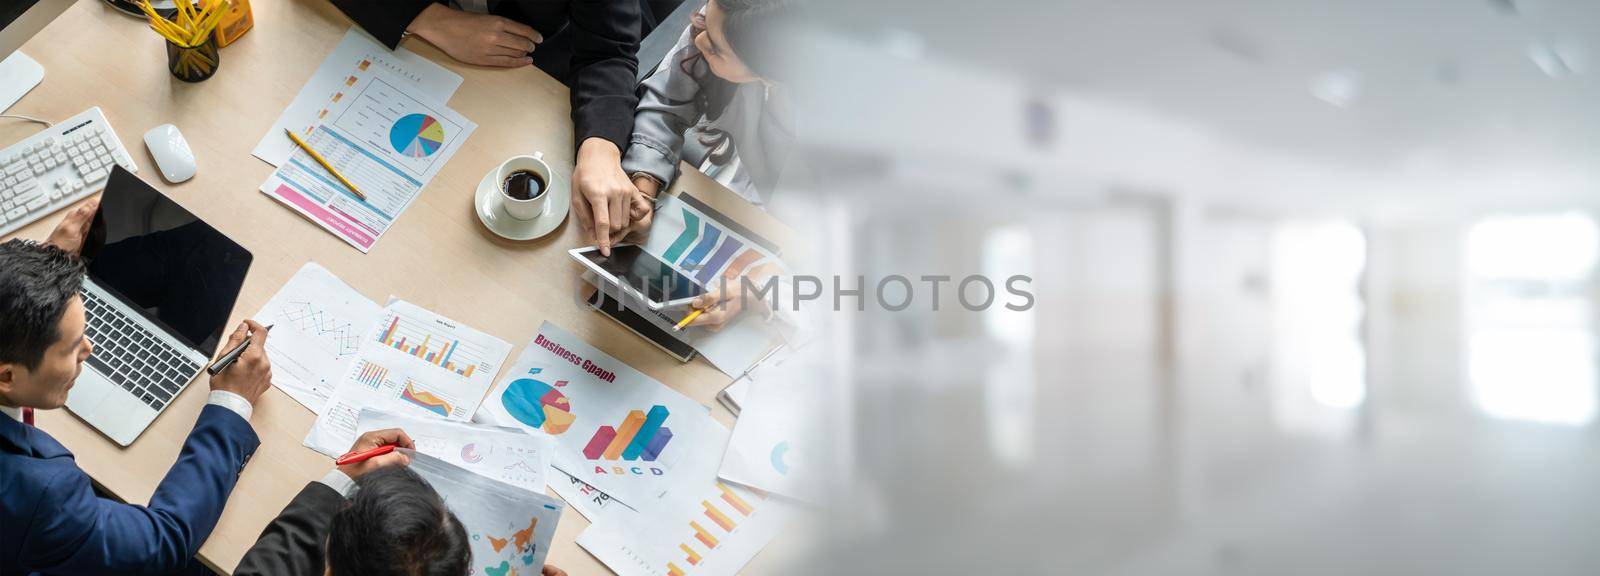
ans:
(605, 47)
(292, 544)
(77, 532)
(385, 20)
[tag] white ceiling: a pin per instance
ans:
(1449, 99)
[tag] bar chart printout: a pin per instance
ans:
(431, 344)
(714, 533)
(413, 361)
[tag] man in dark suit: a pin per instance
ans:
(372, 518)
(51, 521)
(590, 45)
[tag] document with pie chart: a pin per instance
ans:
(615, 428)
(389, 139)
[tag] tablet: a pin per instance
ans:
(640, 274)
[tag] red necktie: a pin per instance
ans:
(27, 416)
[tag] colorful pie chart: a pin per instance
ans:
(538, 405)
(417, 135)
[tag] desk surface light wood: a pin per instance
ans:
(437, 254)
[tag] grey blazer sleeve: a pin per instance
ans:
(667, 107)
(292, 544)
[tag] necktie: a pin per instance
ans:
(27, 416)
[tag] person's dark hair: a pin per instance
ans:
(37, 282)
(397, 525)
(754, 30)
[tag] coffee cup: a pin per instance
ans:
(524, 183)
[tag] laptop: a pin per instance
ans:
(160, 288)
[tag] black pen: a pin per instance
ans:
(227, 359)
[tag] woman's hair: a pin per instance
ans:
(397, 525)
(753, 29)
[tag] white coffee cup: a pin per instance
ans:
(531, 208)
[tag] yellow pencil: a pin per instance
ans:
(325, 165)
(690, 318)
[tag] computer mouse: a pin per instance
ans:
(171, 152)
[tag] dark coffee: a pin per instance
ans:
(523, 185)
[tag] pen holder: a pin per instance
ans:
(193, 63)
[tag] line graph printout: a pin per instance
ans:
(317, 323)
(509, 455)
(409, 379)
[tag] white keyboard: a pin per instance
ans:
(53, 169)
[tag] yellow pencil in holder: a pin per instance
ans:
(191, 45)
(193, 63)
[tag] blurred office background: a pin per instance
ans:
(1315, 284)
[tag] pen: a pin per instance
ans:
(325, 165)
(363, 455)
(687, 319)
(227, 359)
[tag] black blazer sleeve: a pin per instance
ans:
(605, 64)
(385, 20)
(292, 544)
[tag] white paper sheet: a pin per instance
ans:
(510, 528)
(317, 322)
(412, 361)
(358, 55)
(701, 526)
(774, 435)
(387, 141)
(511, 455)
(615, 428)
(588, 500)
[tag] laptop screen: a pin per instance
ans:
(162, 261)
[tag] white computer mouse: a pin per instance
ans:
(171, 152)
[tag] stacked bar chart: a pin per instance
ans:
(371, 374)
(416, 339)
(640, 437)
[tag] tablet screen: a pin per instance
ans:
(645, 273)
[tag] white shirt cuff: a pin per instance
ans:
(233, 402)
(339, 482)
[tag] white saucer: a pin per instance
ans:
(487, 205)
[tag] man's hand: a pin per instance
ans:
(375, 439)
(482, 39)
(251, 375)
(603, 197)
(551, 570)
(69, 234)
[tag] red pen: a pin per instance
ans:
(364, 455)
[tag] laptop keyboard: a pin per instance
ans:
(127, 353)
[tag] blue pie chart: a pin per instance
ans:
(417, 135)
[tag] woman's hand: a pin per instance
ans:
(641, 210)
(728, 298)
